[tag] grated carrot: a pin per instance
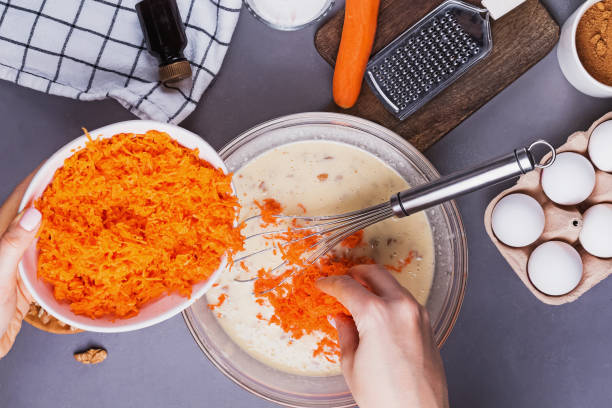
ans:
(131, 218)
(220, 301)
(402, 263)
(269, 209)
(299, 306)
(353, 241)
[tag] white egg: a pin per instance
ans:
(517, 220)
(600, 146)
(570, 180)
(596, 232)
(555, 268)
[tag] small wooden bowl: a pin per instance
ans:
(40, 319)
(563, 223)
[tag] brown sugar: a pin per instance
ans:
(594, 41)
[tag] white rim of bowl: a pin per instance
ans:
(130, 126)
(324, 10)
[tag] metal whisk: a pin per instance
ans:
(332, 229)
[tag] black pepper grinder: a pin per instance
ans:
(164, 34)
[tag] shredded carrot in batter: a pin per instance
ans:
(300, 307)
(353, 241)
(269, 209)
(131, 218)
(220, 301)
(294, 251)
(402, 263)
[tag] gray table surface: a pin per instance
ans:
(506, 350)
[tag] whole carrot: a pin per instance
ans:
(355, 47)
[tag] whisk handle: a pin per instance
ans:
(448, 187)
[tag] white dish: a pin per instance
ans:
(150, 314)
(569, 61)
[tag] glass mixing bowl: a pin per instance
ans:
(450, 272)
(285, 21)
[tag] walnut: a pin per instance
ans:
(91, 356)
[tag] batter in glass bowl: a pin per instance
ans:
(320, 178)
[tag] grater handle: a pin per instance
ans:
(454, 185)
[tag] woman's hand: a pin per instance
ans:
(388, 354)
(16, 235)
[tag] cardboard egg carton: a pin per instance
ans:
(563, 223)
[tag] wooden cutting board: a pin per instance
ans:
(520, 39)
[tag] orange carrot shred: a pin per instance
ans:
(269, 209)
(402, 263)
(352, 241)
(302, 207)
(220, 301)
(299, 306)
(131, 218)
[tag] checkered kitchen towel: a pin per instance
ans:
(94, 49)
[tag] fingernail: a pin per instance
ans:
(332, 321)
(30, 219)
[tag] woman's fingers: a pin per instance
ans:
(13, 244)
(9, 209)
(348, 338)
(348, 291)
(378, 279)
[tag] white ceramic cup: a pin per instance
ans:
(153, 312)
(569, 61)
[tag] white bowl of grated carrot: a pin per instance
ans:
(134, 300)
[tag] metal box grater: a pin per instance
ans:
(429, 56)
